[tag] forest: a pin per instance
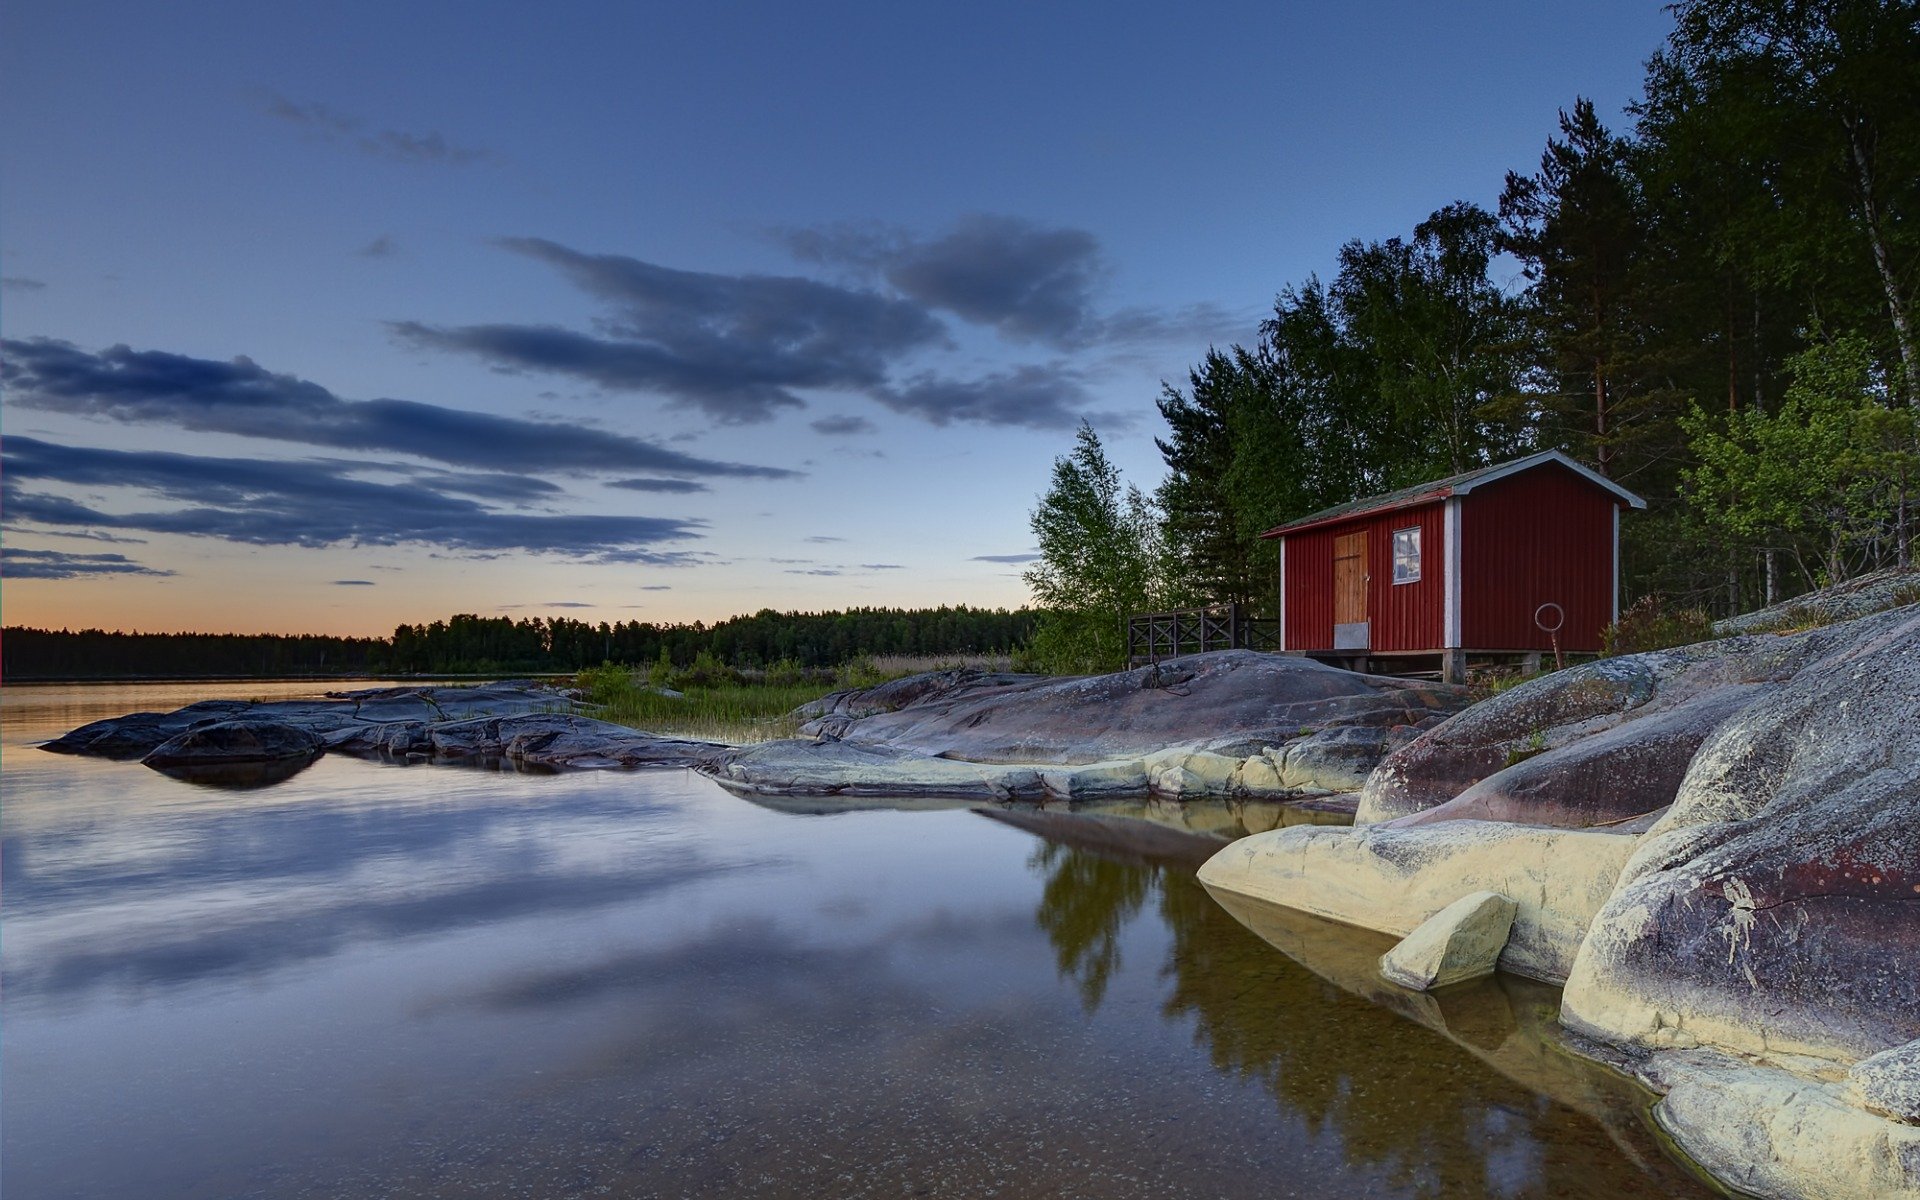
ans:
(469, 644)
(1713, 306)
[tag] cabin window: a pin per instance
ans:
(1406, 556)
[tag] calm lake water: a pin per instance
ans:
(438, 981)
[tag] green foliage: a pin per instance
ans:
(1648, 624)
(1826, 472)
(1102, 557)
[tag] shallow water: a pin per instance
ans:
(437, 981)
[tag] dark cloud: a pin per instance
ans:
(1035, 397)
(306, 504)
(16, 563)
(20, 283)
(391, 145)
(883, 566)
(1005, 558)
(381, 247)
(353, 583)
(1027, 281)
(814, 571)
(671, 486)
(1030, 282)
(656, 587)
(567, 604)
(242, 398)
(821, 539)
(840, 426)
(734, 346)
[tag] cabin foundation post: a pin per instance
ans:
(1530, 664)
(1453, 666)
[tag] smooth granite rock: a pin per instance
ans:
(1461, 941)
(1391, 880)
(241, 740)
(1226, 724)
(515, 721)
(1775, 910)
(1596, 743)
(1775, 1134)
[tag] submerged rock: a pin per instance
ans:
(1461, 941)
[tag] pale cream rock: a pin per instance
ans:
(1784, 1136)
(1391, 880)
(1461, 941)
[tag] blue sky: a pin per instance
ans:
(328, 317)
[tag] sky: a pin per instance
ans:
(323, 318)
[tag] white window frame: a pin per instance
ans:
(1395, 544)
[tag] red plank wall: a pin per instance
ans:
(1309, 589)
(1542, 535)
(1406, 617)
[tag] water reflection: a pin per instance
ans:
(238, 777)
(1468, 1091)
(374, 981)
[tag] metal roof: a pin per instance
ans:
(1452, 485)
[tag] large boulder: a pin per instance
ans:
(1776, 908)
(1462, 941)
(1391, 880)
(245, 740)
(1595, 744)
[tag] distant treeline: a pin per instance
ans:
(469, 644)
(826, 639)
(100, 654)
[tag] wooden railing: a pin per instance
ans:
(1155, 636)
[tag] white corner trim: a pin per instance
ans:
(1546, 456)
(1616, 564)
(1283, 588)
(1450, 555)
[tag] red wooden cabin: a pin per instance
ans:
(1476, 564)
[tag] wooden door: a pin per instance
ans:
(1350, 630)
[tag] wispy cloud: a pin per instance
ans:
(431, 148)
(1005, 558)
(305, 504)
(20, 283)
(381, 247)
(243, 398)
(676, 487)
(17, 563)
(353, 583)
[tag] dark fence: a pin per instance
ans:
(1154, 636)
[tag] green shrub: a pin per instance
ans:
(1648, 625)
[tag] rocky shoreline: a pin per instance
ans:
(1715, 850)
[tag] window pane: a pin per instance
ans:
(1406, 556)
